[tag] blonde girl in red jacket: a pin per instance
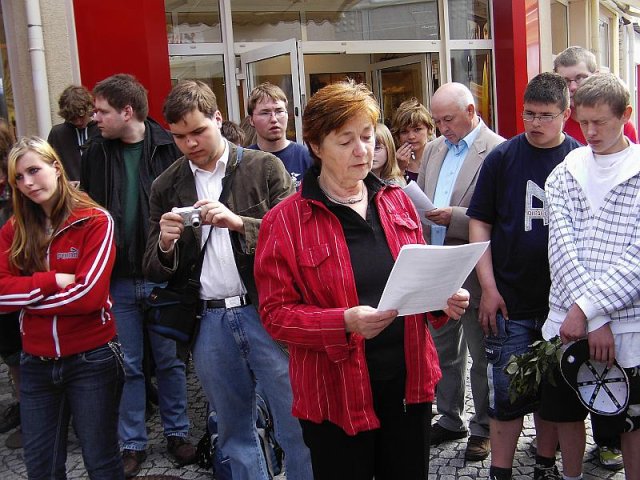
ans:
(57, 259)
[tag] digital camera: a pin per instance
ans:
(190, 216)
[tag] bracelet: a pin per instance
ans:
(160, 245)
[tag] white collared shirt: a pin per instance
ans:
(220, 278)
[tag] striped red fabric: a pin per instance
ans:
(305, 283)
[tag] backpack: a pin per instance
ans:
(272, 452)
(211, 457)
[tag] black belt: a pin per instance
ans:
(231, 302)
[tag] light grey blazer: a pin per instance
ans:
(458, 230)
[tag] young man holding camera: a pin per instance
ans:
(232, 350)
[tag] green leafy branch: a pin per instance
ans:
(527, 370)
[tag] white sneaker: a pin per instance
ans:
(610, 458)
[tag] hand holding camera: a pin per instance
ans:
(217, 214)
(204, 212)
(190, 216)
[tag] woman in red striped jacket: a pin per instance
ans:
(363, 380)
(58, 256)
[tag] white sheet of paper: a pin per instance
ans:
(425, 276)
(420, 200)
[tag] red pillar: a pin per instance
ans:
(512, 48)
(124, 36)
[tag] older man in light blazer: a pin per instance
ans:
(450, 168)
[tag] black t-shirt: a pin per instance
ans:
(371, 262)
(510, 196)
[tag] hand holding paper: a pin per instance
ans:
(425, 276)
(457, 304)
(420, 200)
(368, 321)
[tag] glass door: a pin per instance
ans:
(402, 78)
(278, 64)
(473, 69)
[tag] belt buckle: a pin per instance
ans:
(232, 302)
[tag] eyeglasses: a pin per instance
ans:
(544, 118)
(579, 80)
(280, 113)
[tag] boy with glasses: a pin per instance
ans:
(509, 208)
(594, 241)
(267, 107)
(575, 65)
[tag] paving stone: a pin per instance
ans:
(447, 460)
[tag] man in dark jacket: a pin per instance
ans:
(117, 171)
(67, 138)
(232, 351)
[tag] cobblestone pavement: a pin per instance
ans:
(447, 460)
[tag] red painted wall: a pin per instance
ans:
(510, 40)
(124, 36)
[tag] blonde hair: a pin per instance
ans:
(30, 241)
(411, 113)
(265, 91)
(390, 170)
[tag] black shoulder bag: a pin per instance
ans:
(174, 311)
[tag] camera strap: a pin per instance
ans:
(227, 182)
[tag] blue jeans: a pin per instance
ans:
(85, 387)
(514, 337)
(128, 307)
(232, 352)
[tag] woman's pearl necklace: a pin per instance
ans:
(350, 201)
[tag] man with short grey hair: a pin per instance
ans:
(448, 175)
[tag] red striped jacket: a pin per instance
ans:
(58, 322)
(305, 283)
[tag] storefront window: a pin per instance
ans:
(469, 20)
(368, 20)
(277, 71)
(473, 69)
(193, 21)
(258, 21)
(399, 84)
(559, 22)
(604, 40)
(207, 68)
(253, 24)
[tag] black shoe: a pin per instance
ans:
(181, 450)
(132, 460)
(478, 448)
(440, 434)
(10, 418)
(14, 440)
(546, 473)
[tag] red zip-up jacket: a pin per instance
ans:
(305, 283)
(59, 322)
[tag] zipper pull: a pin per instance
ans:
(404, 404)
